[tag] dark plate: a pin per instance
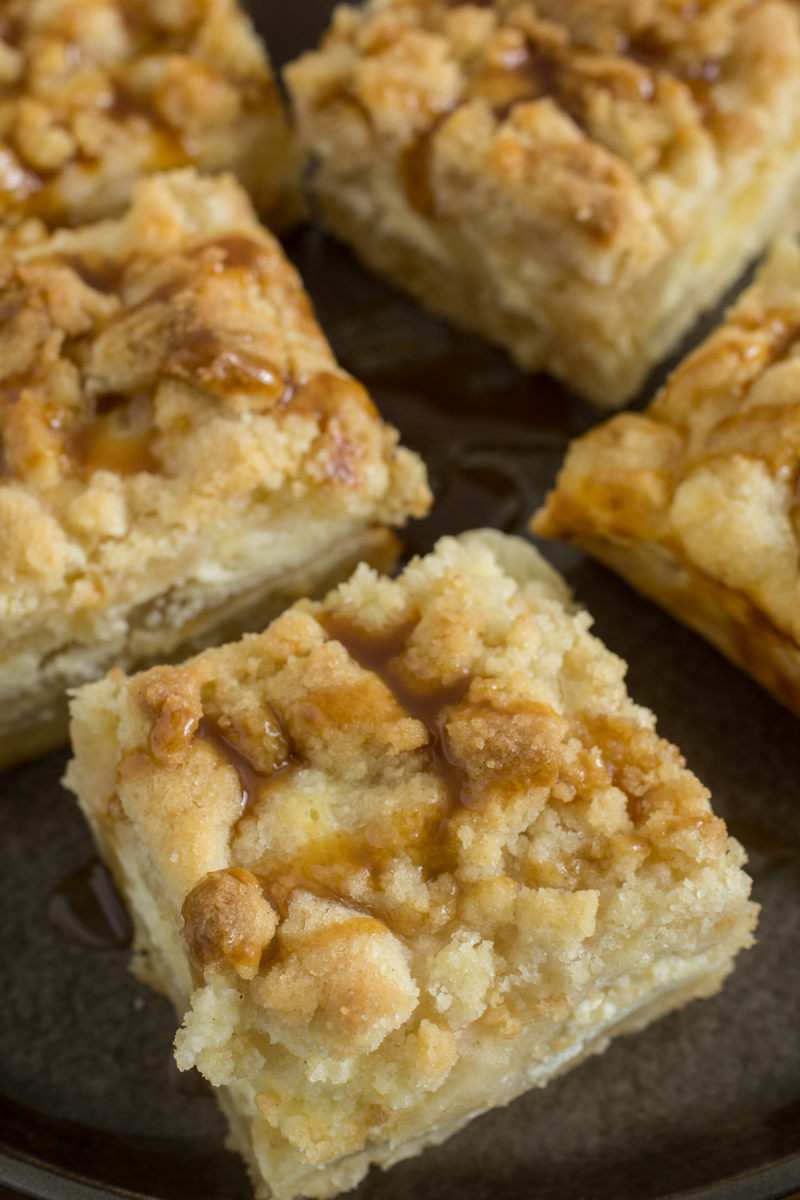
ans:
(705, 1103)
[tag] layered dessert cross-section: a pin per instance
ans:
(405, 855)
(575, 181)
(181, 454)
(695, 501)
(96, 93)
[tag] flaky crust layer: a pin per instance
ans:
(695, 501)
(597, 177)
(415, 851)
(97, 93)
(175, 433)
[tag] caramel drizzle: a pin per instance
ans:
(87, 909)
(108, 274)
(784, 329)
(99, 446)
(381, 654)
(547, 72)
(115, 437)
(12, 30)
(225, 741)
(539, 73)
(699, 77)
(101, 274)
(240, 251)
(277, 887)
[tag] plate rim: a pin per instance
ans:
(779, 1180)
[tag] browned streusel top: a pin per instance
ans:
(158, 374)
(89, 87)
(610, 121)
(711, 469)
(427, 749)
(399, 832)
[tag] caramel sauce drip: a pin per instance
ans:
(223, 371)
(227, 742)
(415, 171)
(218, 929)
(88, 910)
(427, 703)
(538, 74)
(170, 150)
(785, 330)
(149, 38)
(126, 106)
(279, 883)
(177, 730)
(97, 447)
(112, 442)
(119, 437)
(699, 77)
(325, 865)
(12, 30)
(240, 251)
(103, 274)
(107, 274)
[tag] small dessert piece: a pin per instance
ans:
(181, 455)
(575, 181)
(695, 502)
(408, 853)
(96, 93)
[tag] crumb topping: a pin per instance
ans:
(459, 820)
(711, 470)
(97, 92)
(227, 918)
(161, 375)
(610, 122)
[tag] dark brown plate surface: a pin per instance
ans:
(705, 1103)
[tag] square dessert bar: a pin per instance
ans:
(695, 501)
(181, 454)
(405, 855)
(575, 181)
(96, 93)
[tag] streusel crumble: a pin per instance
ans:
(696, 500)
(574, 181)
(403, 856)
(181, 454)
(96, 93)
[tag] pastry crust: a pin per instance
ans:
(97, 93)
(576, 182)
(181, 453)
(695, 501)
(405, 855)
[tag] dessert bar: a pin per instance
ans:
(181, 454)
(695, 501)
(574, 181)
(403, 856)
(96, 93)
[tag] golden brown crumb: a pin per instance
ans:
(479, 855)
(573, 181)
(695, 500)
(227, 919)
(97, 93)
